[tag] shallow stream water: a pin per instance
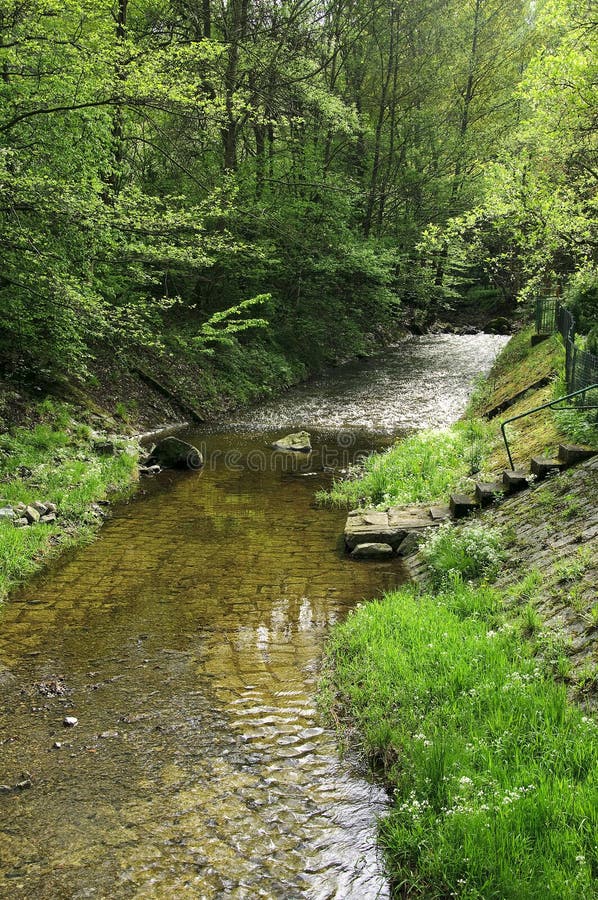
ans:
(187, 641)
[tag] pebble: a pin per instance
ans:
(70, 721)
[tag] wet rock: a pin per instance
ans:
(499, 325)
(299, 442)
(32, 515)
(70, 721)
(372, 551)
(149, 471)
(172, 453)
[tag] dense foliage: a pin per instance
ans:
(308, 166)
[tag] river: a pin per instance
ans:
(187, 641)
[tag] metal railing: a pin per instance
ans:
(581, 367)
(550, 405)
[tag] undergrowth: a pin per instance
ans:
(54, 461)
(492, 772)
(422, 467)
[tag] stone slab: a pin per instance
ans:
(372, 551)
(572, 453)
(440, 513)
(542, 466)
(462, 505)
(514, 480)
(486, 492)
(373, 534)
(375, 518)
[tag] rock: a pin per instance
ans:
(32, 515)
(103, 448)
(149, 471)
(499, 325)
(299, 442)
(172, 453)
(51, 517)
(372, 551)
(40, 507)
(357, 533)
(109, 734)
(7, 512)
(51, 508)
(21, 522)
(70, 721)
(440, 513)
(56, 745)
(410, 544)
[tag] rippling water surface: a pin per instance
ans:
(187, 641)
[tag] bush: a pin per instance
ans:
(471, 552)
(581, 297)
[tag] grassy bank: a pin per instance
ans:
(492, 772)
(55, 459)
(428, 465)
(457, 692)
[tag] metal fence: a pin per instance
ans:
(581, 367)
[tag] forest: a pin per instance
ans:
(286, 177)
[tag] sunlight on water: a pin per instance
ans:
(187, 641)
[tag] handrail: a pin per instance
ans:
(550, 405)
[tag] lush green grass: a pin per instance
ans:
(423, 467)
(472, 551)
(494, 776)
(54, 461)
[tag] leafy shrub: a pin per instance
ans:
(581, 297)
(470, 552)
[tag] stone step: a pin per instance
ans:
(569, 454)
(440, 513)
(462, 505)
(486, 492)
(543, 466)
(514, 480)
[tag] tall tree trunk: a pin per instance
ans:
(387, 75)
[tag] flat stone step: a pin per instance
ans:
(543, 466)
(514, 480)
(486, 492)
(462, 505)
(440, 513)
(391, 526)
(570, 454)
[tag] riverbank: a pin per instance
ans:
(73, 445)
(457, 690)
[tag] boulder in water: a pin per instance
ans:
(299, 442)
(172, 453)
